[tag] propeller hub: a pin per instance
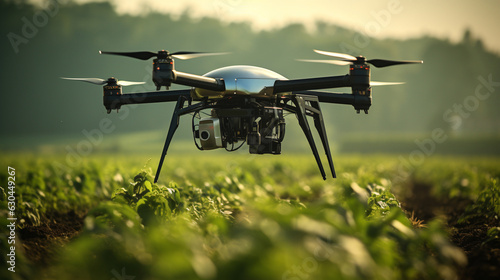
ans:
(163, 54)
(360, 60)
(111, 82)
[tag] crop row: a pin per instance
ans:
(247, 218)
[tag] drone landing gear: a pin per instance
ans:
(302, 109)
(271, 118)
(174, 123)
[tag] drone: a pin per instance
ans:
(246, 104)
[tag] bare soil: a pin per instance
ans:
(42, 243)
(483, 258)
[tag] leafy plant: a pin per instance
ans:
(151, 201)
(238, 220)
(486, 206)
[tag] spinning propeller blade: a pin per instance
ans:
(336, 62)
(373, 83)
(97, 81)
(337, 55)
(349, 59)
(190, 55)
(145, 55)
(138, 55)
(384, 62)
(128, 83)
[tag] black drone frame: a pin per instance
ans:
(298, 96)
(302, 103)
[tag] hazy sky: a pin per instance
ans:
(377, 18)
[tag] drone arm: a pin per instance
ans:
(329, 97)
(360, 102)
(312, 83)
(116, 101)
(148, 97)
(203, 82)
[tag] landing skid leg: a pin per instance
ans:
(301, 116)
(174, 123)
(320, 127)
(306, 105)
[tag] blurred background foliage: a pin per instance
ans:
(64, 42)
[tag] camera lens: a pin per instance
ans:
(204, 135)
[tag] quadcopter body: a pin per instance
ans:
(246, 104)
(241, 80)
(244, 111)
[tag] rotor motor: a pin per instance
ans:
(360, 79)
(112, 88)
(162, 72)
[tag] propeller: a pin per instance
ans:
(336, 62)
(347, 59)
(162, 54)
(373, 83)
(337, 55)
(97, 81)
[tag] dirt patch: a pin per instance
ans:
(419, 200)
(41, 243)
(483, 258)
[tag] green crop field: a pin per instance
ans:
(236, 216)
